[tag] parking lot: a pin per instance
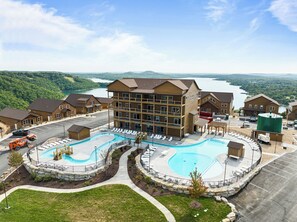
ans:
(272, 194)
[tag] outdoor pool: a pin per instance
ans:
(84, 152)
(201, 155)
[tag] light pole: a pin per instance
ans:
(275, 143)
(6, 200)
(37, 152)
(225, 170)
(96, 155)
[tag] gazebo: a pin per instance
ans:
(235, 150)
(217, 126)
(201, 124)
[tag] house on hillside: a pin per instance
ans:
(260, 104)
(158, 106)
(105, 102)
(52, 109)
(84, 103)
(17, 119)
(220, 103)
(292, 111)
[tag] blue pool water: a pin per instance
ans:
(201, 155)
(92, 158)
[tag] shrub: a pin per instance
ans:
(197, 187)
(87, 183)
(15, 159)
(148, 180)
(38, 179)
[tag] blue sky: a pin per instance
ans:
(177, 36)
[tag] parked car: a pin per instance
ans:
(21, 132)
(253, 119)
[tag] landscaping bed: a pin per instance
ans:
(23, 177)
(107, 203)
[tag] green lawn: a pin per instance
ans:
(108, 203)
(179, 207)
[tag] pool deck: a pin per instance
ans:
(159, 160)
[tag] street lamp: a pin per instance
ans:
(275, 143)
(96, 155)
(37, 152)
(64, 131)
(6, 200)
(225, 170)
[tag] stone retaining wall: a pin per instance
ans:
(225, 191)
(65, 175)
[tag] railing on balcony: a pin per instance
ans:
(147, 100)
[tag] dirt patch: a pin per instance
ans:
(23, 177)
(143, 182)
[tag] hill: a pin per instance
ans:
(18, 89)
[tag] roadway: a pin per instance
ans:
(272, 194)
(55, 129)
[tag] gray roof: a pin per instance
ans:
(77, 128)
(16, 114)
(261, 95)
(291, 104)
(45, 105)
(77, 99)
(226, 97)
(104, 100)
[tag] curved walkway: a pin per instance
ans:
(121, 177)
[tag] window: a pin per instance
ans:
(157, 118)
(138, 106)
(127, 105)
(150, 107)
(163, 109)
(67, 106)
(261, 107)
(170, 98)
(176, 121)
(120, 105)
(163, 97)
(165, 119)
(271, 108)
(224, 105)
(120, 114)
(151, 97)
(175, 109)
(250, 106)
(127, 115)
(58, 115)
(149, 117)
(125, 95)
(256, 106)
(38, 119)
(136, 116)
(25, 122)
(61, 107)
(138, 96)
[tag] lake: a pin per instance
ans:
(206, 84)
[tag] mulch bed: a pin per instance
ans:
(143, 182)
(23, 177)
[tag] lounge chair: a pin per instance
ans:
(170, 139)
(152, 136)
(164, 138)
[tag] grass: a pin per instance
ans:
(108, 203)
(179, 207)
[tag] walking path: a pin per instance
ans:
(121, 177)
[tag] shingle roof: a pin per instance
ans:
(235, 145)
(14, 113)
(77, 99)
(77, 128)
(104, 100)
(261, 95)
(226, 97)
(147, 85)
(45, 105)
(291, 104)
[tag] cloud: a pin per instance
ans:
(217, 9)
(254, 25)
(286, 12)
(36, 38)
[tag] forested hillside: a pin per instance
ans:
(18, 89)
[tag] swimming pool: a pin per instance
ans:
(84, 151)
(201, 155)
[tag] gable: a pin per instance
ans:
(168, 88)
(118, 86)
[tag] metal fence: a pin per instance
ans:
(81, 167)
(173, 180)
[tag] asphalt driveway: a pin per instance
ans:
(54, 130)
(272, 195)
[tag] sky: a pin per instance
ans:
(169, 36)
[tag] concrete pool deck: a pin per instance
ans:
(159, 160)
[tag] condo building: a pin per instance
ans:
(161, 106)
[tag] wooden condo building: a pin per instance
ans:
(161, 106)
(220, 103)
(260, 104)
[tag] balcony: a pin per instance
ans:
(146, 100)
